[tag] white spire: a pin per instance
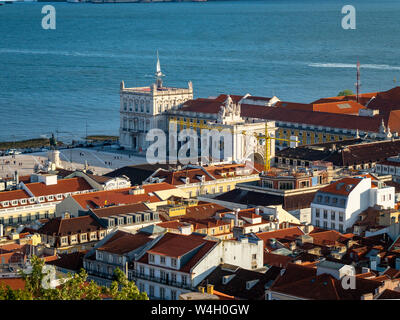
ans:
(158, 73)
(158, 68)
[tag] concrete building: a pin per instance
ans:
(176, 264)
(390, 166)
(338, 205)
(38, 198)
(144, 108)
(200, 180)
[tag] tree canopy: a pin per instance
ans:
(73, 287)
(345, 92)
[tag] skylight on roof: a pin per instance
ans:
(344, 106)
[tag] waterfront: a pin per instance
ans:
(60, 79)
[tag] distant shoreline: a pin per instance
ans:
(131, 1)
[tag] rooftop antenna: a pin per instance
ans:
(358, 84)
(158, 73)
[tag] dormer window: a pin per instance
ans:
(14, 202)
(59, 197)
(23, 201)
(151, 258)
(41, 199)
(5, 203)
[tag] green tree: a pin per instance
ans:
(123, 289)
(345, 92)
(73, 287)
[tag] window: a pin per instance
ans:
(173, 294)
(254, 256)
(162, 260)
(317, 213)
(19, 219)
(184, 280)
(151, 258)
(162, 293)
(340, 216)
(84, 237)
(163, 275)
(152, 273)
(173, 262)
(151, 291)
(333, 225)
(325, 214)
(141, 270)
(333, 215)
(317, 223)
(173, 277)
(141, 287)
(340, 227)
(325, 225)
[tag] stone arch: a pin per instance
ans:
(257, 158)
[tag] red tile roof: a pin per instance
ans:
(13, 283)
(63, 227)
(63, 186)
(123, 242)
(288, 233)
(175, 245)
(329, 237)
(341, 187)
(174, 224)
(121, 209)
(276, 260)
(301, 281)
(343, 107)
(13, 195)
(326, 119)
(120, 196)
(204, 210)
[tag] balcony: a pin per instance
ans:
(167, 282)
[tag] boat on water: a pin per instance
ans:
(76, 1)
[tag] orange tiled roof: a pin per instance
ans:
(63, 186)
(176, 245)
(341, 187)
(13, 283)
(120, 196)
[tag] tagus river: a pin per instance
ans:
(66, 78)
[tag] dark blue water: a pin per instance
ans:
(60, 79)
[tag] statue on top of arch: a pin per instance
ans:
(229, 112)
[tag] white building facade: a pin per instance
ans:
(167, 277)
(143, 108)
(390, 166)
(338, 205)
